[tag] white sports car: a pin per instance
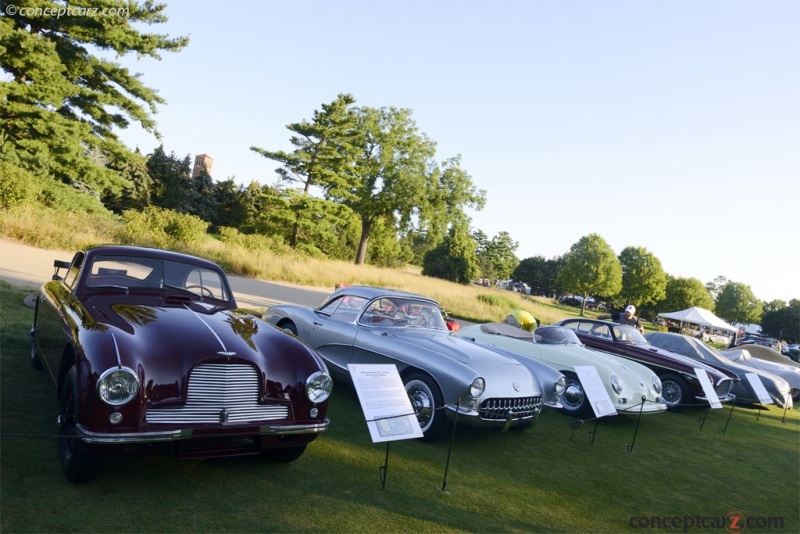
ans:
(626, 382)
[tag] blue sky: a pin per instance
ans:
(670, 125)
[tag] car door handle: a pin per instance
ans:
(317, 324)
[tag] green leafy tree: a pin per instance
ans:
(500, 254)
(232, 204)
(137, 191)
(736, 304)
(540, 274)
(643, 279)
(323, 149)
(716, 285)
(376, 163)
(171, 179)
(63, 101)
(782, 322)
(199, 196)
(683, 293)
(485, 265)
(393, 178)
(453, 259)
(591, 267)
(448, 191)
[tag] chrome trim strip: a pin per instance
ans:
(132, 437)
(176, 435)
(209, 327)
(116, 348)
(313, 428)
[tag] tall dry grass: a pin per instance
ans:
(47, 228)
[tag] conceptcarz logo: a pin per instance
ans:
(734, 522)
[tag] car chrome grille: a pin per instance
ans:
(219, 393)
(517, 408)
(723, 388)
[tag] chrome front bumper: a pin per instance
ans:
(106, 438)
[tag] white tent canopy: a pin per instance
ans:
(700, 317)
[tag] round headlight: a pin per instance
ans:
(319, 387)
(657, 384)
(118, 386)
(477, 388)
(560, 386)
(616, 383)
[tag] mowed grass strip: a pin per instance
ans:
(551, 478)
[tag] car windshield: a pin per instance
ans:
(131, 273)
(629, 334)
(555, 335)
(403, 311)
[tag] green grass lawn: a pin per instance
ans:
(551, 478)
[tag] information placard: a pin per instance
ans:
(758, 387)
(595, 391)
(385, 403)
(708, 388)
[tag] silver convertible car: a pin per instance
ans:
(627, 383)
(441, 373)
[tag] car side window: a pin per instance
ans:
(599, 330)
(207, 283)
(74, 269)
(344, 308)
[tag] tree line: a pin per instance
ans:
(360, 183)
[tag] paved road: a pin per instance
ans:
(28, 266)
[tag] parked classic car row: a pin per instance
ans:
(443, 374)
(147, 348)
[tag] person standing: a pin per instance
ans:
(627, 317)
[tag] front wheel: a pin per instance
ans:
(288, 326)
(77, 463)
(675, 391)
(427, 401)
(574, 397)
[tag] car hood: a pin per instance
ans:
(500, 370)
(162, 343)
(454, 348)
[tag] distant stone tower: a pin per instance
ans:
(200, 161)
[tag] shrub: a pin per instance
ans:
(163, 228)
(17, 186)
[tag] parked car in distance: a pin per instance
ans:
(442, 374)
(680, 384)
(148, 350)
(632, 388)
(769, 360)
(778, 388)
(791, 350)
(765, 353)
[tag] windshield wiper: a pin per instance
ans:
(109, 286)
(183, 290)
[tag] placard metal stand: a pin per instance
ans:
(725, 428)
(386, 406)
(450, 448)
(382, 469)
(630, 445)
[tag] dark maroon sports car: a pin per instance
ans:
(147, 349)
(677, 373)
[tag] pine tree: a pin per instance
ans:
(64, 100)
